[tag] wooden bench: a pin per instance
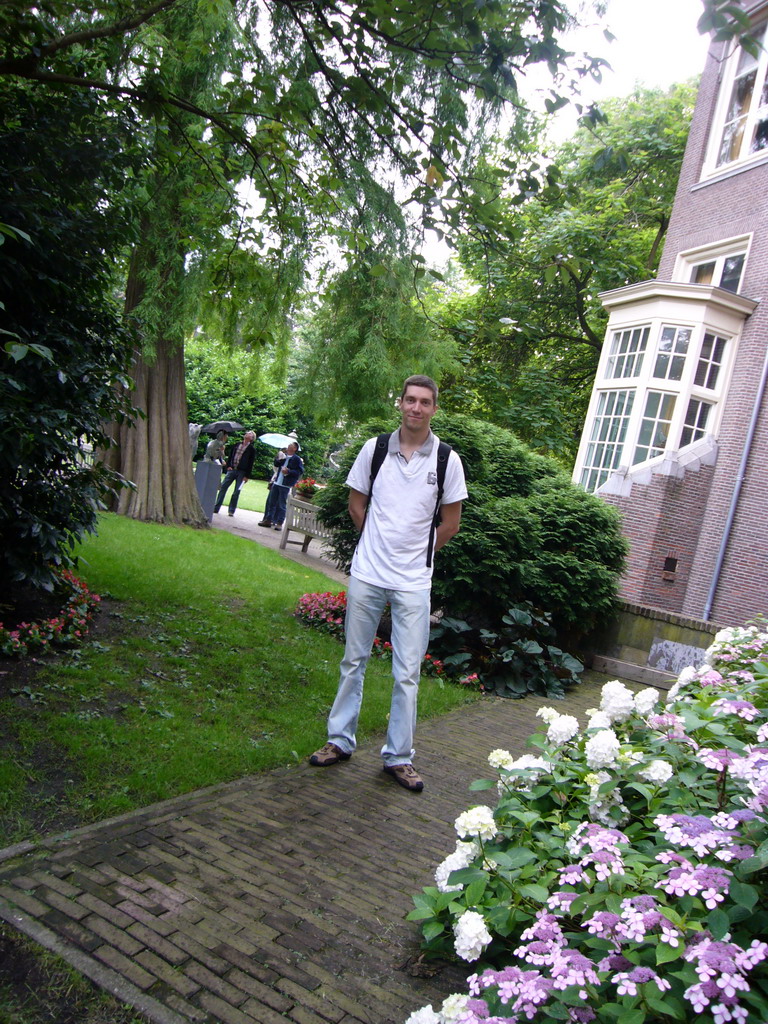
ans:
(301, 517)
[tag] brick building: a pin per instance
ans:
(676, 435)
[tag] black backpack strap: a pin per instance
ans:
(443, 453)
(379, 454)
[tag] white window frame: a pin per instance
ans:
(687, 262)
(655, 450)
(608, 446)
(607, 436)
(697, 431)
(756, 112)
(632, 357)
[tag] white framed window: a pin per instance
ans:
(655, 426)
(607, 436)
(740, 130)
(725, 272)
(625, 357)
(710, 361)
(671, 353)
(696, 419)
(722, 264)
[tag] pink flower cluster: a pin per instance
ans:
(720, 968)
(69, 627)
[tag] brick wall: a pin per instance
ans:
(686, 518)
(663, 519)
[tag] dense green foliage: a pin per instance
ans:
(527, 533)
(529, 333)
(364, 339)
(62, 370)
(517, 658)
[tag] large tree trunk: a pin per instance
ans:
(154, 453)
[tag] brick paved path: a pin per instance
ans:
(279, 897)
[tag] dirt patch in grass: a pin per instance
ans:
(37, 988)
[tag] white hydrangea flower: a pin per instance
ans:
(470, 935)
(617, 701)
(602, 749)
(461, 857)
(688, 674)
(657, 772)
(477, 821)
(562, 729)
(598, 720)
(646, 700)
(547, 714)
(426, 1015)
(500, 759)
(673, 692)
(453, 1008)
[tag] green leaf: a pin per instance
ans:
(515, 857)
(465, 876)
(481, 784)
(719, 924)
(432, 930)
(742, 894)
(538, 893)
(475, 892)
(665, 953)
(379, 270)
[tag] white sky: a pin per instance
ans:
(656, 44)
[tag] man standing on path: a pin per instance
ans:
(290, 473)
(392, 563)
(238, 467)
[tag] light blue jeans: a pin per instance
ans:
(410, 636)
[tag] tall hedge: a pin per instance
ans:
(527, 533)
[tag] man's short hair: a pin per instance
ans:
(419, 380)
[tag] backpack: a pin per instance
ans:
(443, 451)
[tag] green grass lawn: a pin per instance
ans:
(197, 673)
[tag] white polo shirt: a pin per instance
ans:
(392, 550)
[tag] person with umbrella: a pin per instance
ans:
(214, 451)
(238, 469)
(290, 473)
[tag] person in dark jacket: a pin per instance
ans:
(238, 469)
(291, 472)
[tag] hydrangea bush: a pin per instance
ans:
(621, 875)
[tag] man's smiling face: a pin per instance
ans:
(417, 407)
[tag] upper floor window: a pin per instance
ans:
(744, 127)
(696, 419)
(625, 357)
(721, 264)
(725, 272)
(654, 427)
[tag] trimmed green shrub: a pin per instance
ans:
(527, 533)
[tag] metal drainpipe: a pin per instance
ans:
(737, 490)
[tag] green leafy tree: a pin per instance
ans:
(527, 533)
(367, 336)
(531, 333)
(329, 104)
(66, 350)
